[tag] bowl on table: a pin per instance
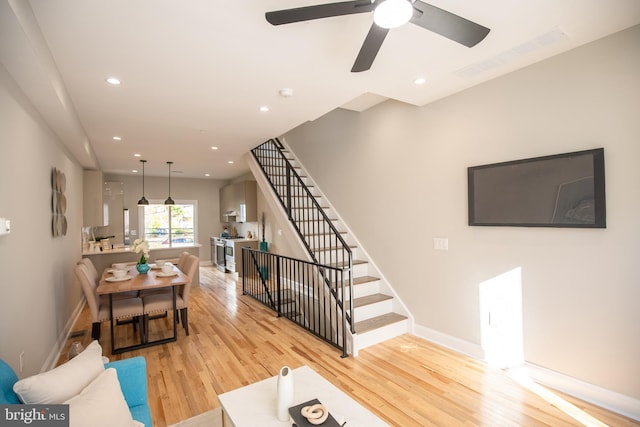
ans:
(120, 266)
(167, 268)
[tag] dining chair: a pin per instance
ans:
(163, 302)
(182, 259)
(94, 278)
(99, 307)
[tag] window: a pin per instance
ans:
(169, 225)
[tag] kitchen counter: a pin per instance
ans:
(127, 249)
(106, 258)
(237, 239)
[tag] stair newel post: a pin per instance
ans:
(344, 314)
(278, 288)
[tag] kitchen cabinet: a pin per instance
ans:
(233, 253)
(95, 211)
(239, 202)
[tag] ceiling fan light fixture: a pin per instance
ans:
(393, 13)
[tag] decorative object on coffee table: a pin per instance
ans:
(285, 393)
(306, 415)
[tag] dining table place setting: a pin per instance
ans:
(124, 277)
(119, 273)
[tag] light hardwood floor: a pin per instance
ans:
(407, 381)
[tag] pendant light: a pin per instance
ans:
(169, 200)
(143, 200)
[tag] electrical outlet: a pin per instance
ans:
(21, 362)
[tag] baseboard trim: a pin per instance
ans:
(453, 343)
(55, 353)
(616, 402)
(611, 400)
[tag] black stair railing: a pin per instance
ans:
(317, 231)
(296, 289)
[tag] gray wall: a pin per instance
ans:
(39, 293)
(205, 191)
(405, 167)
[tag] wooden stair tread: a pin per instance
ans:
(308, 207)
(370, 299)
(335, 248)
(364, 279)
(378, 322)
(344, 263)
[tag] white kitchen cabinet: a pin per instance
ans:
(239, 202)
(95, 211)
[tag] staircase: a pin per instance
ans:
(375, 313)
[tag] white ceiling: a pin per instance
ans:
(194, 73)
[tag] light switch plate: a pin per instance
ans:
(441, 243)
(5, 226)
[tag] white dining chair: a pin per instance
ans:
(94, 278)
(123, 308)
(163, 302)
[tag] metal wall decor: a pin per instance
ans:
(58, 203)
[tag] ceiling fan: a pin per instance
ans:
(387, 14)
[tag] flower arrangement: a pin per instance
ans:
(141, 245)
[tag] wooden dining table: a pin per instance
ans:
(153, 279)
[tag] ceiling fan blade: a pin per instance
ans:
(307, 13)
(369, 48)
(447, 24)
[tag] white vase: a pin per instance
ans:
(285, 393)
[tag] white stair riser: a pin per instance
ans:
(361, 270)
(365, 289)
(372, 310)
(379, 335)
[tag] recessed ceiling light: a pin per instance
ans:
(137, 155)
(117, 138)
(264, 108)
(206, 174)
(214, 148)
(113, 81)
(420, 81)
(135, 171)
(230, 162)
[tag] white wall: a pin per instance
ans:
(38, 290)
(406, 168)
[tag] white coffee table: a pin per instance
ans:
(255, 404)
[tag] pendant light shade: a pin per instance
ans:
(169, 200)
(143, 200)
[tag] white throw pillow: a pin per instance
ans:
(101, 404)
(64, 381)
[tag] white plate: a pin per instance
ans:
(115, 279)
(161, 274)
(155, 266)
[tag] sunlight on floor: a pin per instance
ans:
(501, 318)
(521, 377)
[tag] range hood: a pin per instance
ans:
(235, 216)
